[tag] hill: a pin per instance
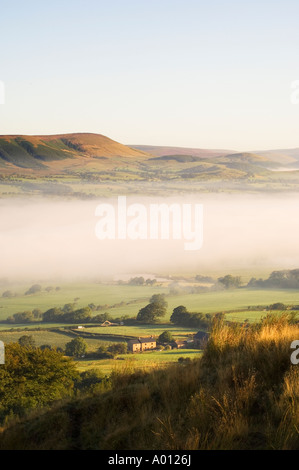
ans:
(285, 156)
(160, 151)
(59, 153)
(242, 394)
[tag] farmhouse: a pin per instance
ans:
(142, 344)
(200, 339)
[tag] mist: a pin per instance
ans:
(44, 239)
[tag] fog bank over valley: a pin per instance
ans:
(56, 239)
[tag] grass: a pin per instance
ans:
(147, 360)
(144, 330)
(222, 301)
(252, 316)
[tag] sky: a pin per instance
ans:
(205, 74)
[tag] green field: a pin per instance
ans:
(145, 360)
(251, 316)
(144, 330)
(131, 298)
(51, 338)
(236, 299)
(32, 326)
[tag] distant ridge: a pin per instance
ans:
(97, 157)
(161, 151)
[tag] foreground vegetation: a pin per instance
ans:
(242, 394)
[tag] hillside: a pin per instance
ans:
(243, 394)
(59, 153)
(286, 156)
(90, 165)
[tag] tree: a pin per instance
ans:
(156, 308)
(208, 279)
(23, 317)
(33, 289)
(37, 313)
(159, 300)
(278, 306)
(165, 337)
(53, 314)
(229, 281)
(136, 281)
(149, 313)
(33, 378)
(181, 316)
(178, 314)
(101, 317)
(68, 308)
(26, 341)
(150, 282)
(82, 314)
(118, 348)
(146, 314)
(103, 353)
(8, 294)
(76, 348)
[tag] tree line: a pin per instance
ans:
(66, 314)
(150, 313)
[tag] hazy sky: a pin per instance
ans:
(210, 74)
